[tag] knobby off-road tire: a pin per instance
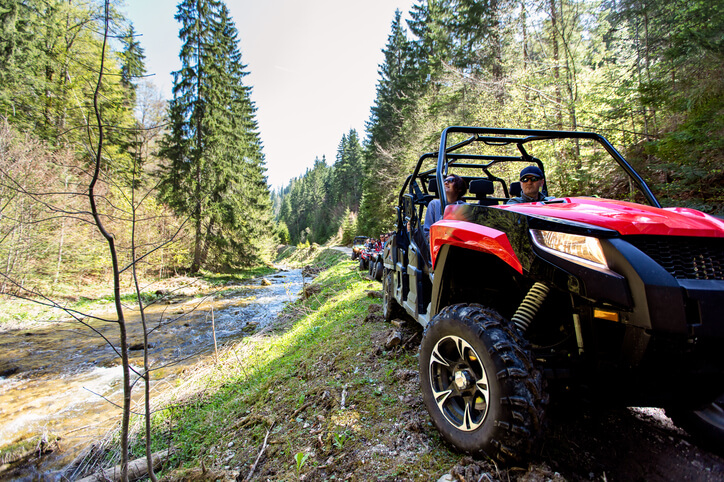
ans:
(379, 270)
(479, 383)
(362, 264)
(390, 308)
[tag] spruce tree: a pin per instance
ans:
(346, 183)
(215, 173)
(397, 91)
(132, 62)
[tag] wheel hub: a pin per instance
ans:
(463, 380)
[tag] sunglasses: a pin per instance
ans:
(530, 179)
(449, 180)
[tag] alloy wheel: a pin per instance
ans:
(459, 383)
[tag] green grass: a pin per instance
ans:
(292, 382)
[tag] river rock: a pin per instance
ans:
(393, 340)
(6, 372)
(265, 282)
(139, 346)
(250, 327)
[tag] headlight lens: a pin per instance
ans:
(579, 249)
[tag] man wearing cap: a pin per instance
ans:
(531, 181)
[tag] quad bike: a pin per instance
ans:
(357, 245)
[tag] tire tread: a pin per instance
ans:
(523, 401)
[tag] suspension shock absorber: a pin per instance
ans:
(529, 307)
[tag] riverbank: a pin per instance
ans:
(57, 378)
(96, 296)
(325, 393)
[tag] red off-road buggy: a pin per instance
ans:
(614, 300)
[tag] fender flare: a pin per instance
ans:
(473, 236)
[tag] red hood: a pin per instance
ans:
(627, 218)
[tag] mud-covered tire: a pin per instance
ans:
(362, 265)
(705, 423)
(379, 269)
(390, 308)
(480, 385)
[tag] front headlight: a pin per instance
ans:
(578, 249)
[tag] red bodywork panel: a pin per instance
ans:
(623, 217)
(472, 236)
(627, 218)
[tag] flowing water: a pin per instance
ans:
(64, 379)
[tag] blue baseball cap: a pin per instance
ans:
(532, 171)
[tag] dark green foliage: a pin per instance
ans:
(306, 205)
(22, 59)
(398, 90)
(132, 66)
(315, 205)
(216, 171)
(399, 79)
(346, 181)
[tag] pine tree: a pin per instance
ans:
(397, 91)
(396, 87)
(132, 62)
(132, 141)
(216, 167)
(346, 183)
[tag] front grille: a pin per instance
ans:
(685, 257)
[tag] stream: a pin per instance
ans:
(64, 379)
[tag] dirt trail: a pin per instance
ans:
(343, 249)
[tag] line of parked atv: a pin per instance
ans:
(369, 253)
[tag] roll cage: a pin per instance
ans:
(416, 190)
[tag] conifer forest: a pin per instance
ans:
(181, 182)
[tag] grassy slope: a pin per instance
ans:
(292, 382)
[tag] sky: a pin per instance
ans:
(313, 68)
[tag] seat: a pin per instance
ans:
(481, 188)
(418, 237)
(515, 189)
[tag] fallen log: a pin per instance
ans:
(136, 469)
